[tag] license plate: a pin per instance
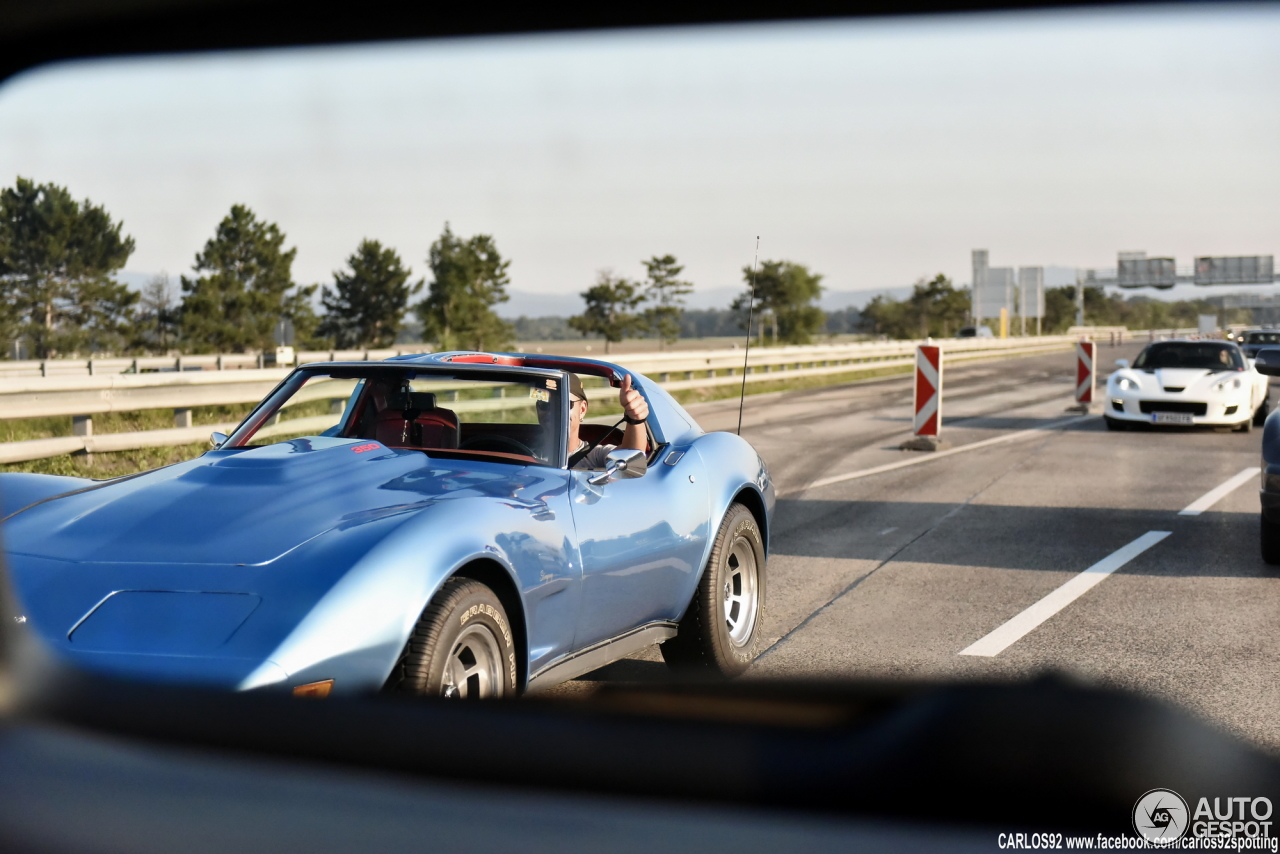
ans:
(1172, 418)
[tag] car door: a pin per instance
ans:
(641, 541)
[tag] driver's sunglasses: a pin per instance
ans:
(544, 406)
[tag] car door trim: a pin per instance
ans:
(599, 654)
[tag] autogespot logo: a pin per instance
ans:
(1160, 816)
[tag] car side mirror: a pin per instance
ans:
(1122, 363)
(622, 462)
(1268, 362)
(217, 440)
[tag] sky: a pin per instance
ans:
(876, 152)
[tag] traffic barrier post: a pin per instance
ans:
(927, 419)
(1086, 361)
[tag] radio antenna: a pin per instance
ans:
(751, 307)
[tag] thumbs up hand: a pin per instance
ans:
(633, 403)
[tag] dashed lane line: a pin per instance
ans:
(1213, 496)
(937, 455)
(1011, 632)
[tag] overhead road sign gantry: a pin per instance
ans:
(1235, 270)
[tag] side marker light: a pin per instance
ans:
(314, 690)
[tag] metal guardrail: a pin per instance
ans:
(84, 395)
(1118, 334)
(171, 364)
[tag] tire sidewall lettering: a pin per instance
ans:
(492, 613)
(747, 529)
(482, 610)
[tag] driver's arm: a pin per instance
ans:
(636, 408)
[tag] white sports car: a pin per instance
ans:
(1187, 383)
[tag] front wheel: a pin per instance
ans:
(1260, 414)
(461, 647)
(720, 631)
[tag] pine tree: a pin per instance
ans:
(666, 293)
(56, 260)
(610, 312)
(469, 277)
(156, 323)
(367, 304)
(247, 287)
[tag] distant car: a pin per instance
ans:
(1268, 364)
(414, 525)
(1187, 383)
(975, 332)
(1258, 339)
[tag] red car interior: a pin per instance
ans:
(412, 419)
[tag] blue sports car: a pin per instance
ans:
(426, 525)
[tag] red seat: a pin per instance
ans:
(423, 425)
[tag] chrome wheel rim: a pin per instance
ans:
(474, 668)
(740, 592)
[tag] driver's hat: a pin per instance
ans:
(575, 387)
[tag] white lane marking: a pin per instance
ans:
(1014, 630)
(1213, 496)
(937, 455)
(887, 531)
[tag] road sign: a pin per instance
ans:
(1236, 270)
(1146, 273)
(1086, 351)
(928, 407)
(1031, 291)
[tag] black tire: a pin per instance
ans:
(714, 639)
(1115, 423)
(461, 647)
(1270, 541)
(1244, 426)
(1264, 409)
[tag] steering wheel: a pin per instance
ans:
(496, 442)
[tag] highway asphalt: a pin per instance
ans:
(894, 574)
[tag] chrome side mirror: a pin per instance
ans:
(1268, 362)
(1122, 363)
(622, 462)
(217, 440)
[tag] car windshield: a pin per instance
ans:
(1263, 338)
(502, 417)
(1195, 355)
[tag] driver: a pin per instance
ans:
(635, 409)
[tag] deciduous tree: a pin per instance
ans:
(56, 260)
(367, 303)
(936, 308)
(469, 277)
(246, 289)
(611, 309)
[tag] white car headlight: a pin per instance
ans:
(1126, 384)
(1227, 385)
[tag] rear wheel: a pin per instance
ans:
(720, 631)
(461, 647)
(1270, 541)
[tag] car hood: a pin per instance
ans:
(1182, 378)
(244, 507)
